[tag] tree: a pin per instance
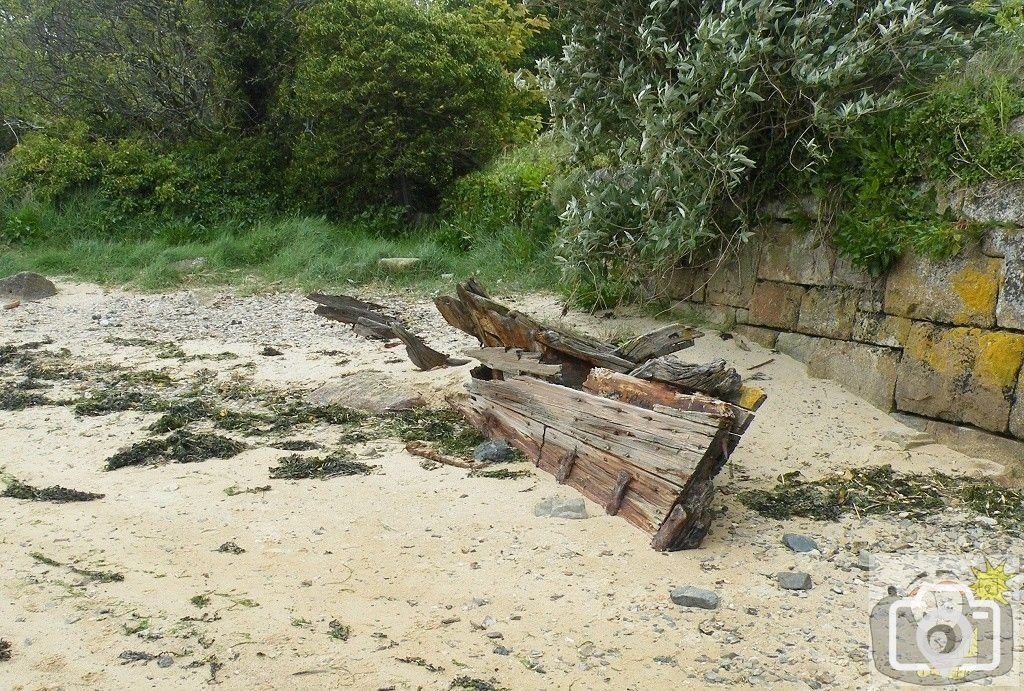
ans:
(680, 112)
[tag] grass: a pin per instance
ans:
(297, 253)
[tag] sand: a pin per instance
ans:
(452, 574)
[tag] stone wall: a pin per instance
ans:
(939, 340)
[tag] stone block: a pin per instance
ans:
(1009, 246)
(845, 274)
(883, 329)
(791, 256)
(776, 305)
(731, 281)
(715, 315)
(970, 441)
(683, 283)
(763, 337)
(993, 201)
(960, 374)
(828, 312)
(797, 346)
(1017, 411)
(868, 371)
(961, 291)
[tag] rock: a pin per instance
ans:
(797, 346)
(1008, 245)
(231, 548)
(992, 453)
(960, 374)
(27, 286)
(1016, 125)
(193, 264)
(961, 291)
(794, 580)
(799, 543)
(868, 371)
(828, 312)
(685, 284)
(12, 304)
(494, 451)
(557, 507)
(371, 392)
(495, 635)
(792, 256)
(270, 351)
(398, 263)
(908, 440)
(866, 561)
(164, 661)
(881, 329)
(776, 305)
(731, 282)
(766, 338)
(502, 650)
(993, 201)
(692, 596)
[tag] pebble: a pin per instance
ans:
(495, 634)
(502, 650)
(692, 596)
(799, 543)
(557, 507)
(794, 580)
(164, 661)
(493, 451)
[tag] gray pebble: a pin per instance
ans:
(556, 507)
(494, 451)
(692, 596)
(794, 580)
(799, 543)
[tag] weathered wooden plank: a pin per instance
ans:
(456, 313)
(715, 378)
(348, 309)
(422, 355)
(514, 361)
(658, 343)
(588, 350)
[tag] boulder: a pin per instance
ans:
(960, 374)
(692, 596)
(495, 451)
(27, 286)
(799, 543)
(371, 392)
(828, 312)
(792, 256)
(776, 305)
(993, 201)
(961, 291)
(868, 371)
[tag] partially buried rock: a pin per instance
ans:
(494, 451)
(270, 351)
(370, 392)
(692, 596)
(799, 543)
(398, 263)
(27, 286)
(556, 507)
(795, 580)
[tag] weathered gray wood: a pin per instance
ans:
(658, 343)
(348, 309)
(367, 328)
(422, 355)
(590, 351)
(715, 378)
(514, 361)
(621, 485)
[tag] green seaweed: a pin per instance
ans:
(472, 684)
(91, 574)
(445, 429)
(501, 474)
(56, 494)
(881, 490)
(338, 630)
(13, 399)
(180, 446)
(296, 445)
(298, 467)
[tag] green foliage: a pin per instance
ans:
(683, 113)
(391, 101)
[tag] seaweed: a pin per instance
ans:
(56, 494)
(5, 650)
(115, 400)
(231, 548)
(881, 490)
(200, 601)
(13, 399)
(180, 446)
(445, 429)
(471, 684)
(298, 467)
(296, 445)
(235, 490)
(501, 474)
(91, 574)
(338, 630)
(420, 662)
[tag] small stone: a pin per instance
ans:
(557, 507)
(27, 286)
(502, 650)
(794, 580)
(189, 264)
(692, 596)
(493, 451)
(398, 263)
(799, 543)
(231, 548)
(866, 562)
(12, 305)
(270, 351)
(494, 634)
(164, 661)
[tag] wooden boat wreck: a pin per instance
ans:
(630, 427)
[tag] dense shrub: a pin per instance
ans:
(683, 112)
(390, 102)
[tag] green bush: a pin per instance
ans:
(390, 102)
(509, 198)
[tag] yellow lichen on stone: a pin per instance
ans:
(945, 352)
(978, 291)
(999, 358)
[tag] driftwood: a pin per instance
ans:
(715, 378)
(370, 321)
(515, 361)
(424, 450)
(658, 343)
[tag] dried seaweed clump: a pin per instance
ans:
(57, 494)
(881, 490)
(5, 650)
(338, 630)
(298, 467)
(471, 684)
(13, 399)
(180, 446)
(445, 429)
